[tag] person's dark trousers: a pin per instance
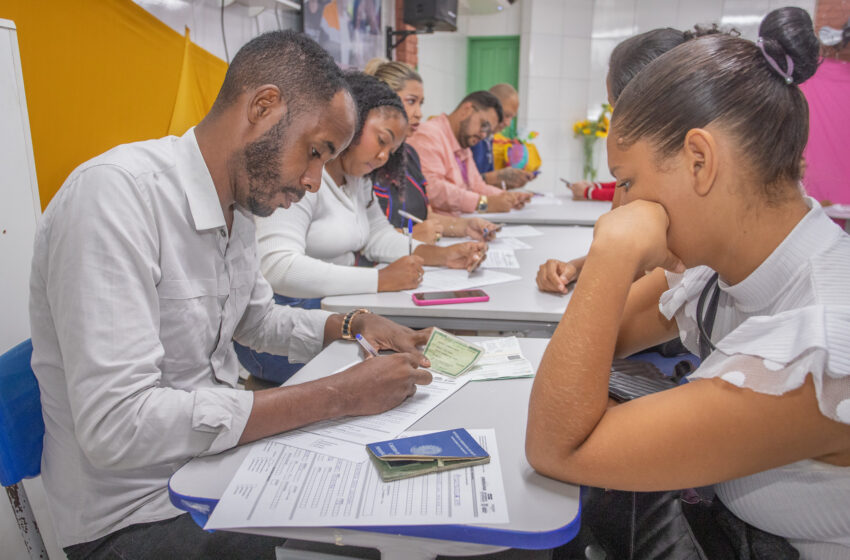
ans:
(179, 538)
(271, 367)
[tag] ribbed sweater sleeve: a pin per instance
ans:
(281, 241)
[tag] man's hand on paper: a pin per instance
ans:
(380, 383)
(384, 334)
(402, 274)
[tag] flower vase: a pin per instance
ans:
(589, 168)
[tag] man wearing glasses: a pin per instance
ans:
(454, 184)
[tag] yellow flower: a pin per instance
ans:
(601, 134)
(585, 130)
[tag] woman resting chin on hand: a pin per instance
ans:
(707, 183)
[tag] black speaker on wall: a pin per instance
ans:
(431, 15)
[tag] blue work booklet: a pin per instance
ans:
(427, 453)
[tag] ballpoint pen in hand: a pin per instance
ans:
(566, 182)
(475, 265)
(366, 346)
(409, 237)
(409, 216)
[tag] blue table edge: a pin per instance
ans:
(201, 508)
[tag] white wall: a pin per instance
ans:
(443, 56)
(203, 17)
(614, 20)
(442, 65)
(564, 51)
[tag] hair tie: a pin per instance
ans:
(787, 75)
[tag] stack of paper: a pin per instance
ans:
(321, 476)
(500, 258)
(502, 359)
(279, 485)
(502, 243)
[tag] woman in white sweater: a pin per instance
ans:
(318, 246)
(706, 144)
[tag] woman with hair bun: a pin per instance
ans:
(407, 190)
(705, 144)
(627, 59)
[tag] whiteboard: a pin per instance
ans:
(20, 207)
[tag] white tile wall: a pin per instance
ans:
(442, 56)
(442, 64)
(578, 18)
(575, 57)
(547, 16)
(544, 55)
(692, 12)
(651, 14)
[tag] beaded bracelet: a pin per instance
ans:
(347, 320)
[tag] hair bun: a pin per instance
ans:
(374, 65)
(789, 31)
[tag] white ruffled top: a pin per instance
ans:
(788, 319)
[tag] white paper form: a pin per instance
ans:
(279, 485)
(502, 359)
(519, 231)
(448, 279)
(389, 424)
(500, 258)
(508, 243)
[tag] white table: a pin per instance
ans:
(544, 513)
(569, 213)
(513, 306)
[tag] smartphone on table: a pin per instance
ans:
(456, 296)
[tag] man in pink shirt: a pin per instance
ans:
(443, 144)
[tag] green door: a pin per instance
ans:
(491, 61)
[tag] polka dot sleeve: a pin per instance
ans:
(771, 354)
(775, 354)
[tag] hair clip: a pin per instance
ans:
(787, 75)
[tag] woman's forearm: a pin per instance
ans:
(570, 391)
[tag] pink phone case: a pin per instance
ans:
(473, 299)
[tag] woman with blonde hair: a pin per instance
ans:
(407, 190)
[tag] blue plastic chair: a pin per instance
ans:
(21, 438)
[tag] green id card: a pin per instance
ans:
(449, 354)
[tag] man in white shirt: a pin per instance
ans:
(145, 269)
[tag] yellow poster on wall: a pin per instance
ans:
(99, 74)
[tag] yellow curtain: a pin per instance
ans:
(102, 73)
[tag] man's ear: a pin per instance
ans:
(465, 109)
(266, 102)
(700, 153)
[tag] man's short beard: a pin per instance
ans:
(260, 161)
